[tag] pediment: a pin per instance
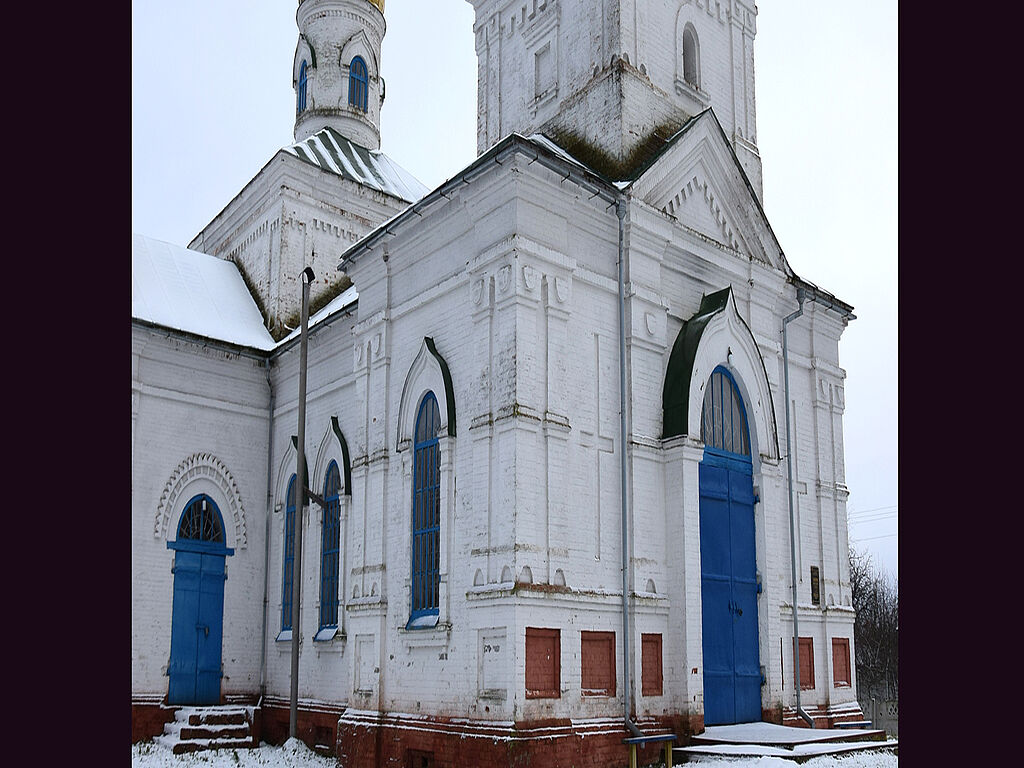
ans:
(698, 181)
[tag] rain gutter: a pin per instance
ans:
(620, 212)
(800, 295)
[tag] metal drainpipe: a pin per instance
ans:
(266, 535)
(792, 524)
(620, 212)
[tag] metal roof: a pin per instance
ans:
(332, 152)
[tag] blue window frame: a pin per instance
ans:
(201, 521)
(330, 548)
(426, 511)
(723, 419)
(358, 83)
(300, 100)
(289, 558)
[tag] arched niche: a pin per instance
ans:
(285, 471)
(717, 335)
(333, 447)
(428, 373)
(201, 473)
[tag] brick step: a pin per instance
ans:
(185, 747)
(189, 733)
(199, 729)
(217, 718)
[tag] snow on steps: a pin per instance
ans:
(752, 740)
(197, 729)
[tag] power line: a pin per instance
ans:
(855, 512)
(872, 538)
(872, 518)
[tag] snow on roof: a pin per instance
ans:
(331, 151)
(193, 292)
(342, 300)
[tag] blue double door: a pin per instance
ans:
(197, 625)
(732, 671)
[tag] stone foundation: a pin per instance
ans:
(372, 740)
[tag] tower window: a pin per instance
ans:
(357, 83)
(300, 99)
(691, 57)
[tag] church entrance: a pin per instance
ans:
(732, 673)
(197, 617)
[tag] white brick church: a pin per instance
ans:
(546, 413)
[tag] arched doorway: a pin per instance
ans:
(732, 673)
(197, 616)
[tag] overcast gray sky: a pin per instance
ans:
(212, 102)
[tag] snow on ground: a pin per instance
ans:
(295, 754)
(292, 754)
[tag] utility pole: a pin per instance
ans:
(307, 277)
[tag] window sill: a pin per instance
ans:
(422, 622)
(433, 635)
(694, 99)
(327, 634)
(285, 636)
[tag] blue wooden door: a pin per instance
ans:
(732, 672)
(196, 629)
(197, 614)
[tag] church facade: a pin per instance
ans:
(546, 413)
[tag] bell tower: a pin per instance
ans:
(613, 79)
(336, 70)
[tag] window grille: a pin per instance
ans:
(289, 558)
(426, 510)
(201, 521)
(723, 420)
(330, 548)
(358, 83)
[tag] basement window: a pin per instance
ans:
(598, 663)
(806, 664)
(543, 663)
(650, 665)
(841, 662)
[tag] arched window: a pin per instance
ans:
(426, 505)
(289, 558)
(330, 542)
(201, 521)
(691, 57)
(357, 83)
(723, 420)
(300, 102)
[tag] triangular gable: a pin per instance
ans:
(698, 180)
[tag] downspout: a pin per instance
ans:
(266, 534)
(792, 524)
(620, 212)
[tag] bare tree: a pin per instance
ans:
(876, 628)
